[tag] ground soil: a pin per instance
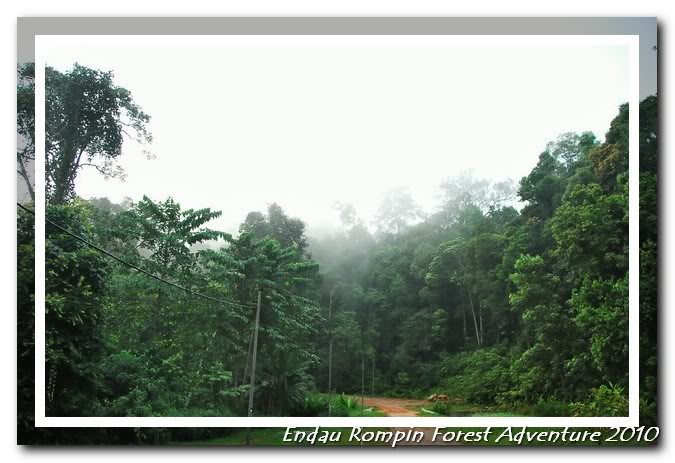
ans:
(404, 407)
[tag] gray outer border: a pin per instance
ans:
(645, 27)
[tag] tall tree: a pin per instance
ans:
(25, 109)
(87, 118)
(276, 224)
(397, 211)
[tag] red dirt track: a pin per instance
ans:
(394, 407)
(404, 407)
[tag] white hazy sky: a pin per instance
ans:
(240, 122)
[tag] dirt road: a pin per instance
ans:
(404, 407)
(395, 407)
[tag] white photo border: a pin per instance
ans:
(632, 420)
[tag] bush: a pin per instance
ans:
(442, 408)
(604, 401)
(647, 412)
(480, 376)
(345, 406)
(549, 407)
(313, 405)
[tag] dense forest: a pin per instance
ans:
(512, 295)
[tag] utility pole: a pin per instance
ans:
(330, 378)
(330, 352)
(255, 354)
(363, 381)
(372, 385)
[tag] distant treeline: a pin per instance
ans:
(500, 306)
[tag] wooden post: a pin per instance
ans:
(255, 354)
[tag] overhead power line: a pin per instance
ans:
(135, 267)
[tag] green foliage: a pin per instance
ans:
(313, 405)
(591, 232)
(188, 355)
(87, 118)
(76, 279)
(550, 407)
(25, 289)
(602, 307)
(524, 309)
(346, 406)
(481, 376)
(606, 400)
(289, 232)
(442, 408)
(545, 287)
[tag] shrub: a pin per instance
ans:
(313, 405)
(549, 407)
(480, 376)
(604, 401)
(442, 408)
(345, 406)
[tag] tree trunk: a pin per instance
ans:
(480, 315)
(63, 175)
(464, 327)
(475, 321)
(24, 174)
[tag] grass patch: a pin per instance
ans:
(495, 413)
(273, 437)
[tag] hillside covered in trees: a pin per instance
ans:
(499, 305)
(507, 295)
